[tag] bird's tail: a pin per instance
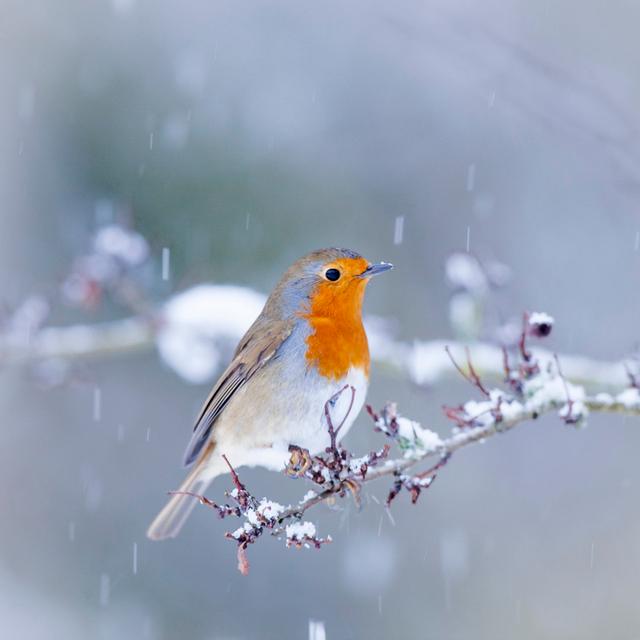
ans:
(169, 521)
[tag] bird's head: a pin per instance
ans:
(328, 282)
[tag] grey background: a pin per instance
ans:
(322, 123)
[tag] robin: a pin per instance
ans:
(306, 345)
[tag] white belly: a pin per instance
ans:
(306, 423)
(348, 398)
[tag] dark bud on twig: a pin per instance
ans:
(539, 325)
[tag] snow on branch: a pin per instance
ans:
(531, 388)
(195, 330)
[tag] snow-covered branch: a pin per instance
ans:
(194, 328)
(532, 387)
(78, 341)
(194, 332)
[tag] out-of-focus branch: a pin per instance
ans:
(193, 330)
(424, 362)
(427, 364)
(79, 341)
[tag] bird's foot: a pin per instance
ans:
(299, 462)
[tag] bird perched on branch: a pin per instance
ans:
(306, 345)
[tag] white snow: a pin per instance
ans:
(355, 465)
(549, 388)
(301, 530)
(465, 314)
(419, 437)
(465, 272)
(270, 509)
(540, 317)
(267, 508)
(398, 230)
(245, 528)
(510, 408)
(576, 410)
(166, 263)
(97, 404)
(317, 630)
(197, 321)
(134, 559)
(480, 412)
(629, 397)
(427, 362)
(545, 390)
(117, 242)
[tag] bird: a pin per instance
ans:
(307, 344)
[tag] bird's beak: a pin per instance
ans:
(375, 269)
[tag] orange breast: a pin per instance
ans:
(337, 341)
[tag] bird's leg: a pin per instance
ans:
(299, 462)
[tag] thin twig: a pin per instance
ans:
(472, 376)
(522, 343)
(458, 441)
(634, 379)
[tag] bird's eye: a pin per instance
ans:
(332, 274)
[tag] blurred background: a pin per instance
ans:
(238, 136)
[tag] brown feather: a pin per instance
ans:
(258, 346)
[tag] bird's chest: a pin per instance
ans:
(335, 347)
(292, 412)
(338, 401)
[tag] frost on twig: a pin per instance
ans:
(532, 387)
(334, 472)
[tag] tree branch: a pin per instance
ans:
(462, 439)
(426, 363)
(190, 329)
(534, 388)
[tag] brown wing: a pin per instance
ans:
(258, 347)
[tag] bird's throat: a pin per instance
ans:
(337, 341)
